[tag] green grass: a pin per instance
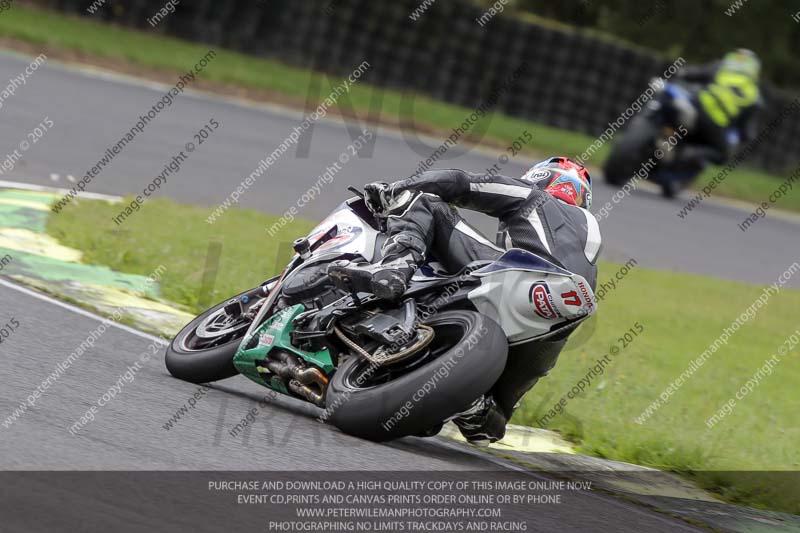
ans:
(56, 31)
(752, 186)
(178, 236)
(682, 314)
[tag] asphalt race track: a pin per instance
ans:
(90, 114)
(128, 434)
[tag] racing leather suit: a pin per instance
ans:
(529, 218)
(725, 101)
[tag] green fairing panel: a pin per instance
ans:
(275, 332)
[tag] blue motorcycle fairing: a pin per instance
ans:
(518, 259)
(676, 92)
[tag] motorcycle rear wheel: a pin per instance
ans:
(464, 360)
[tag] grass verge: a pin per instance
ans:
(760, 434)
(205, 263)
(150, 54)
(682, 315)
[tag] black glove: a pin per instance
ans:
(377, 196)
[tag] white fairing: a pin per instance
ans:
(528, 304)
(526, 294)
(353, 236)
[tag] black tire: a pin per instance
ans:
(204, 365)
(459, 380)
(629, 152)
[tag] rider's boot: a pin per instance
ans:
(483, 423)
(387, 279)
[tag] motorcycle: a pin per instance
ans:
(652, 145)
(381, 370)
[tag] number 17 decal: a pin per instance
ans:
(571, 298)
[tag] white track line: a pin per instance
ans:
(92, 71)
(39, 296)
(439, 442)
(102, 73)
(79, 311)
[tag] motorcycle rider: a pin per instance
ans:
(545, 212)
(726, 102)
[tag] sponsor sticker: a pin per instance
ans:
(585, 294)
(346, 235)
(539, 295)
(536, 175)
(266, 340)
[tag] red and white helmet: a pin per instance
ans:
(568, 181)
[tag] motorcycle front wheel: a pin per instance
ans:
(465, 358)
(629, 152)
(203, 350)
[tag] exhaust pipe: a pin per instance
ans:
(306, 392)
(303, 380)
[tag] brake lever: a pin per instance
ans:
(356, 192)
